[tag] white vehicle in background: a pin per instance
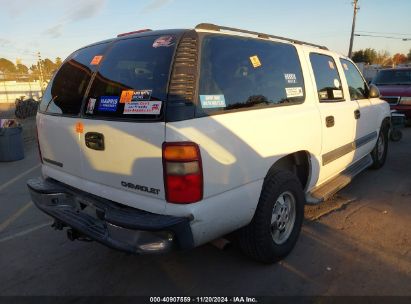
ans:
(170, 139)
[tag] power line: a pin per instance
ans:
(386, 37)
(369, 32)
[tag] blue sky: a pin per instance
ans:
(58, 27)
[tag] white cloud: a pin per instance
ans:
(155, 5)
(55, 31)
(80, 10)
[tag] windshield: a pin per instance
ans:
(393, 77)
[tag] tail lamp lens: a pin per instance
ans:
(183, 176)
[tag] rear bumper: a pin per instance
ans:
(117, 226)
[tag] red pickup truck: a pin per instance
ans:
(395, 88)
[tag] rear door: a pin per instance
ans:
(124, 126)
(59, 112)
(337, 116)
(366, 124)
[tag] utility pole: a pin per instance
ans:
(39, 66)
(356, 8)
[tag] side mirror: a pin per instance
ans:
(374, 92)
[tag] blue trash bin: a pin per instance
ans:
(11, 144)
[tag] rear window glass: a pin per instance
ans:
(326, 77)
(396, 77)
(239, 73)
(65, 93)
(132, 79)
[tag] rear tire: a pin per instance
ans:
(379, 153)
(277, 221)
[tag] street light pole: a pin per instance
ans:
(356, 8)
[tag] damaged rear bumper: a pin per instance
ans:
(117, 226)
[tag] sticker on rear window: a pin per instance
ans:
(212, 101)
(96, 60)
(291, 78)
(108, 104)
(337, 94)
(164, 41)
(336, 83)
(143, 107)
(294, 92)
(90, 106)
(323, 95)
(255, 61)
(331, 64)
(142, 95)
(345, 66)
(126, 96)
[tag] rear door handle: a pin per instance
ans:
(357, 114)
(329, 121)
(95, 141)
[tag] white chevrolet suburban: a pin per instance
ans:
(169, 139)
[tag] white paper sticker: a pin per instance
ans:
(336, 83)
(291, 78)
(90, 106)
(337, 94)
(323, 95)
(143, 107)
(294, 92)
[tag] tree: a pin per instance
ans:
(409, 55)
(383, 58)
(48, 66)
(6, 66)
(21, 68)
(58, 62)
(399, 58)
(368, 56)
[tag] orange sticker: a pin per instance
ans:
(96, 60)
(331, 64)
(79, 127)
(126, 96)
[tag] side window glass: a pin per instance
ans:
(242, 73)
(356, 84)
(64, 94)
(326, 77)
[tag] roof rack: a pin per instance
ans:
(217, 28)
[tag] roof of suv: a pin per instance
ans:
(212, 28)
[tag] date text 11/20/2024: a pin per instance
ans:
(203, 300)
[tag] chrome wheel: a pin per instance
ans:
(380, 146)
(283, 217)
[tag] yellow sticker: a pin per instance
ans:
(331, 64)
(255, 61)
(96, 60)
(126, 96)
(345, 66)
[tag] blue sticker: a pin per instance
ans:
(108, 104)
(212, 101)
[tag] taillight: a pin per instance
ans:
(183, 172)
(38, 145)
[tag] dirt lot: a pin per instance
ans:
(357, 244)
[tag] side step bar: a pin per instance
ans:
(329, 188)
